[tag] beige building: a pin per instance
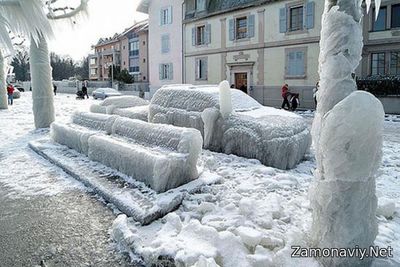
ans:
(381, 55)
(128, 50)
(257, 46)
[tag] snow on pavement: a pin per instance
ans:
(22, 171)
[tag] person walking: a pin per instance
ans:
(315, 91)
(10, 93)
(55, 89)
(285, 94)
(85, 91)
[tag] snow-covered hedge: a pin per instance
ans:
(277, 138)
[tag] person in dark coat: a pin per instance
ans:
(55, 89)
(85, 91)
(285, 95)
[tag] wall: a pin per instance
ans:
(155, 31)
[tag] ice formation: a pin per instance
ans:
(42, 89)
(112, 104)
(161, 156)
(3, 84)
(138, 113)
(225, 99)
(276, 138)
(343, 194)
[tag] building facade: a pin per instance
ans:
(128, 50)
(381, 54)
(165, 41)
(256, 45)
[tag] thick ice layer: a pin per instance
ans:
(138, 113)
(3, 85)
(277, 138)
(161, 169)
(343, 195)
(94, 121)
(42, 89)
(74, 137)
(124, 101)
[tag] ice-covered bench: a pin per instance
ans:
(127, 106)
(161, 156)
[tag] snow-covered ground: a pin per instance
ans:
(251, 218)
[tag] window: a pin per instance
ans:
(166, 16)
(201, 69)
(241, 28)
(395, 63)
(380, 23)
(93, 72)
(295, 63)
(200, 5)
(396, 16)
(144, 60)
(166, 71)
(134, 48)
(377, 63)
(134, 65)
(296, 18)
(200, 34)
(93, 61)
(165, 43)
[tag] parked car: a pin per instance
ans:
(276, 137)
(19, 87)
(103, 93)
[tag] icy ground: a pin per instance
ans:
(250, 219)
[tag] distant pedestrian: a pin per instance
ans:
(10, 93)
(315, 92)
(55, 89)
(85, 91)
(285, 95)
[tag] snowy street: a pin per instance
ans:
(251, 218)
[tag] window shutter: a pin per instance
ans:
(160, 69)
(170, 15)
(161, 17)
(282, 20)
(197, 69)
(251, 26)
(231, 29)
(193, 36)
(170, 71)
(205, 68)
(165, 43)
(310, 10)
(207, 34)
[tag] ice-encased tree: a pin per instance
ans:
(347, 137)
(3, 91)
(32, 18)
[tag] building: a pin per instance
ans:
(134, 52)
(381, 55)
(255, 45)
(128, 50)
(165, 41)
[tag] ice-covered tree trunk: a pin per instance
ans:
(42, 89)
(3, 84)
(347, 137)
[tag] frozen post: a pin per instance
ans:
(3, 84)
(42, 89)
(225, 99)
(347, 137)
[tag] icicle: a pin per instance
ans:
(225, 99)
(42, 89)
(3, 84)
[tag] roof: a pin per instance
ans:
(215, 7)
(137, 27)
(143, 6)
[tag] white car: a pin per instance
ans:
(103, 93)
